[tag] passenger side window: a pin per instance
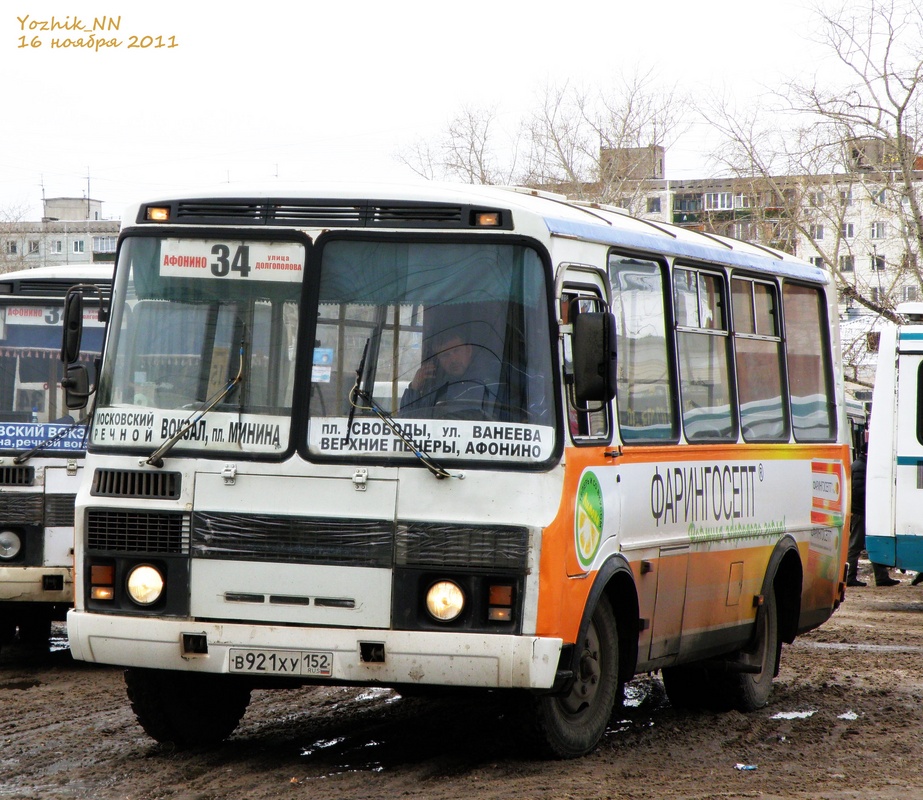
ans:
(645, 392)
(703, 346)
(810, 382)
(758, 358)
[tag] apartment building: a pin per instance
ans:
(71, 231)
(852, 224)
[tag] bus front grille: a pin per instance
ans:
(17, 476)
(136, 483)
(357, 542)
(137, 531)
(21, 509)
(303, 540)
(433, 544)
(59, 510)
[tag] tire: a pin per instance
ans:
(750, 691)
(571, 725)
(694, 686)
(35, 630)
(187, 709)
(7, 630)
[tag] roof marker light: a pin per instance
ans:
(487, 219)
(157, 213)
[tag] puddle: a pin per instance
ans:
(347, 755)
(381, 731)
(57, 642)
(863, 648)
(793, 715)
(21, 685)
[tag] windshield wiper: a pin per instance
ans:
(156, 458)
(22, 458)
(357, 393)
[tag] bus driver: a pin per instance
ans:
(455, 377)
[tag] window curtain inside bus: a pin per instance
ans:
(430, 274)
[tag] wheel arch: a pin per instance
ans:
(785, 577)
(616, 581)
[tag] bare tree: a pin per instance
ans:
(605, 143)
(850, 134)
(559, 142)
(472, 149)
(599, 144)
(876, 115)
(13, 242)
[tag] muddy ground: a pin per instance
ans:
(844, 722)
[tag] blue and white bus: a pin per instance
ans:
(894, 522)
(41, 446)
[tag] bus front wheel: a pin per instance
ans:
(571, 725)
(187, 709)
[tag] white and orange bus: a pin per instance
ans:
(454, 436)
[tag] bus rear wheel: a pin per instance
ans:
(748, 691)
(187, 709)
(571, 725)
(694, 686)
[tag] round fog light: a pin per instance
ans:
(10, 545)
(445, 600)
(145, 585)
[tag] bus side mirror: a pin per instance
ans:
(76, 386)
(73, 328)
(594, 357)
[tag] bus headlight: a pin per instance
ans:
(10, 545)
(145, 585)
(445, 600)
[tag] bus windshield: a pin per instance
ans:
(198, 321)
(452, 340)
(31, 403)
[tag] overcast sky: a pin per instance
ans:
(278, 90)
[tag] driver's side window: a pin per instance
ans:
(587, 424)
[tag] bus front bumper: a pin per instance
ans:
(36, 585)
(343, 655)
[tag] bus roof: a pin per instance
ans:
(394, 205)
(53, 281)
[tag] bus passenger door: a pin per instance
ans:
(908, 469)
(667, 623)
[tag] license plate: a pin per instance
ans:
(281, 662)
